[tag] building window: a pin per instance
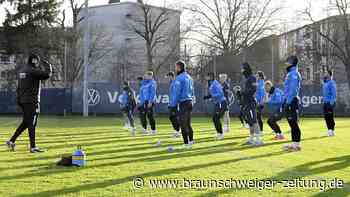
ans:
(56, 77)
(318, 76)
(5, 59)
(308, 74)
(3, 75)
(8, 75)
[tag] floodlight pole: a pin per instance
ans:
(272, 59)
(86, 60)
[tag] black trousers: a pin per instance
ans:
(174, 118)
(259, 115)
(29, 121)
(219, 112)
(328, 111)
(273, 119)
(249, 112)
(185, 116)
(292, 113)
(145, 113)
(129, 112)
(241, 115)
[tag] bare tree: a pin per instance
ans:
(71, 44)
(161, 39)
(203, 60)
(121, 63)
(335, 31)
(228, 26)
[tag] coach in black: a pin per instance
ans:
(28, 98)
(249, 104)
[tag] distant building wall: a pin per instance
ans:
(315, 54)
(7, 70)
(127, 58)
(263, 55)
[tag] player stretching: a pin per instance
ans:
(249, 105)
(291, 92)
(238, 98)
(228, 95)
(28, 98)
(173, 106)
(260, 96)
(183, 96)
(275, 103)
(147, 101)
(329, 100)
(128, 103)
(216, 94)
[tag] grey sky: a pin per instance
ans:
(290, 17)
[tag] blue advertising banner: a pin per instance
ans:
(103, 99)
(53, 101)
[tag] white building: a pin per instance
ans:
(7, 71)
(316, 53)
(118, 52)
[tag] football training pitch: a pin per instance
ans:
(121, 165)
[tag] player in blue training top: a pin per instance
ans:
(292, 86)
(184, 96)
(229, 98)
(275, 100)
(147, 102)
(329, 101)
(173, 105)
(260, 97)
(216, 94)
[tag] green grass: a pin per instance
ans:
(115, 159)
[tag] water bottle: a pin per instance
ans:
(79, 157)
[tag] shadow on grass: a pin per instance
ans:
(101, 141)
(143, 157)
(123, 135)
(201, 140)
(113, 182)
(109, 151)
(340, 192)
(305, 170)
(64, 134)
(58, 156)
(135, 147)
(116, 141)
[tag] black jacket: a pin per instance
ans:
(238, 97)
(29, 80)
(249, 90)
(131, 98)
(226, 89)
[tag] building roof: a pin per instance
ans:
(316, 22)
(131, 3)
(2, 40)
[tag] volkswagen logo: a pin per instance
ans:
(94, 97)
